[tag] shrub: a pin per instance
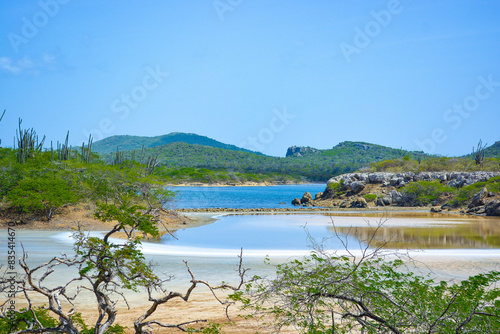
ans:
(337, 187)
(424, 192)
(370, 197)
(44, 195)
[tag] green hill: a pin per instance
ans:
(129, 143)
(493, 151)
(316, 165)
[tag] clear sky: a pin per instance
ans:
(262, 74)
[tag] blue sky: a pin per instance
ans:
(262, 74)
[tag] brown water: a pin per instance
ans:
(424, 230)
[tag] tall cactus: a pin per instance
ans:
(0, 121)
(87, 151)
(27, 143)
(479, 154)
(65, 149)
(152, 164)
(119, 157)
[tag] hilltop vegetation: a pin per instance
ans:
(316, 165)
(435, 164)
(129, 143)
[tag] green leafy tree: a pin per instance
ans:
(334, 293)
(104, 268)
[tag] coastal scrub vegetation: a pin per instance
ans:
(422, 193)
(436, 164)
(370, 291)
(102, 267)
(42, 185)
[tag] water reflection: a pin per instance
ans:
(468, 233)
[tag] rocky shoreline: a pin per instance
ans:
(382, 189)
(234, 184)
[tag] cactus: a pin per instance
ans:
(0, 121)
(65, 149)
(87, 151)
(119, 157)
(27, 143)
(479, 153)
(152, 164)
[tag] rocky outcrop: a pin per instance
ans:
(306, 198)
(386, 189)
(300, 151)
(454, 179)
(296, 201)
(493, 208)
(479, 198)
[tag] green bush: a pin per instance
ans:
(43, 195)
(337, 187)
(18, 321)
(465, 194)
(370, 197)
(424, 192)
(374, 295)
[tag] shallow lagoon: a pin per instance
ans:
(212, 250)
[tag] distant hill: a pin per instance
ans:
(129, 143)
(493, 151)
(357, 152)
(312, 165)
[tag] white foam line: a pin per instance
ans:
(161, 249)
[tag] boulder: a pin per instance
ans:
(493, 208)
(357, 186)
(306, 198)
(318, 196)
(396, 197)
(359, 202)
(296, 201)
(395, 181)
(478, 198)
(379, 177)
(436, 209)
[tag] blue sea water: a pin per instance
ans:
(241, 197)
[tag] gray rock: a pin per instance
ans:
(359, 202)
(379, 177)
(306, 198)
(493, 208)
(436, 209)
(396, 180)
(296, 201)
(318, 195)
(396, 196)
(357, 186)
(478, 198)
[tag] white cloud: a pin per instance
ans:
(7, 65)
(27, 65)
